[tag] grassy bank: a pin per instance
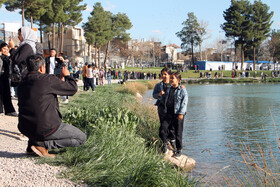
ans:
(121, 149)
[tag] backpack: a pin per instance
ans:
(19, 71)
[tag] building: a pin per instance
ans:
(9, 30)
(74, 45)
(170, 53)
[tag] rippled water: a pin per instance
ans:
(222, 118)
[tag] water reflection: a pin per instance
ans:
(223, 118)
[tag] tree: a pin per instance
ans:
(98, 28)
(120, 24)
(202, 35)
(12, 5)
(274, 45)
(261, 18)
(238, 24)
(189, 34)
(1, 2)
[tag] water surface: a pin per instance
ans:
(223, 118)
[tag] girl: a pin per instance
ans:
(159, 93)
(176, 105)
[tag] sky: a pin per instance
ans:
(161, 19)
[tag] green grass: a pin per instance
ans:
(116, 151)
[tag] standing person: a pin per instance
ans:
(101, 76)
(53, 62)
(39, 116)
(90, 77)
(109, 77)
(85, 76)
(176, 105)
(95, 76)
(5, 89)
(165, 131)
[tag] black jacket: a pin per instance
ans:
(6, 66)
(20, 55)
(58, 62)
(39, 114)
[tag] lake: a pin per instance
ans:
(223, 118)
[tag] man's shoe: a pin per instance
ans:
(41, 151)
(12, 114)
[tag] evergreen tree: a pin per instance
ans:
(189, 34)
(1, 2)
(98, 29)
(238, 24)
(120, 24)
(261, 18)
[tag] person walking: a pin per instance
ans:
(90, 77)
(85, 76)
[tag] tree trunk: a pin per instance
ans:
(31, 20)
(62, 38)
(89, 53)
(41, 33)
(192, 56)
(254, 66)
(22, 12)
(242, 56)
(99, 62)
(53, 36)
(200, 49)
(95, 55)
(49, 42)
(58, 38)
(235, 57)
(107, 52)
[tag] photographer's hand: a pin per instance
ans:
(65, 72)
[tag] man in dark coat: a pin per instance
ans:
(39, 116)
(53, 63)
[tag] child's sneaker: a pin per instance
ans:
(178, 153)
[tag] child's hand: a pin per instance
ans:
(180, 117)
(161, 93)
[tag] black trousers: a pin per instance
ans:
(90, 84)
(85, 83)
(170, 121)
(5, 96)
(166, 131)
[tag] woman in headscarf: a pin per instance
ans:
(6, 99)
(28, 40)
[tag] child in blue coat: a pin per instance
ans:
(176, 108)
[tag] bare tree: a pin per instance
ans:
(203, 35)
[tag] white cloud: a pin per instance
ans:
(157, 31)
(278, 24)
(109, 6)
(89, 8)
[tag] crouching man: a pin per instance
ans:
(39, 116)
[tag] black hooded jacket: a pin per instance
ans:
(39, 114)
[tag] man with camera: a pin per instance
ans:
(39, 116)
